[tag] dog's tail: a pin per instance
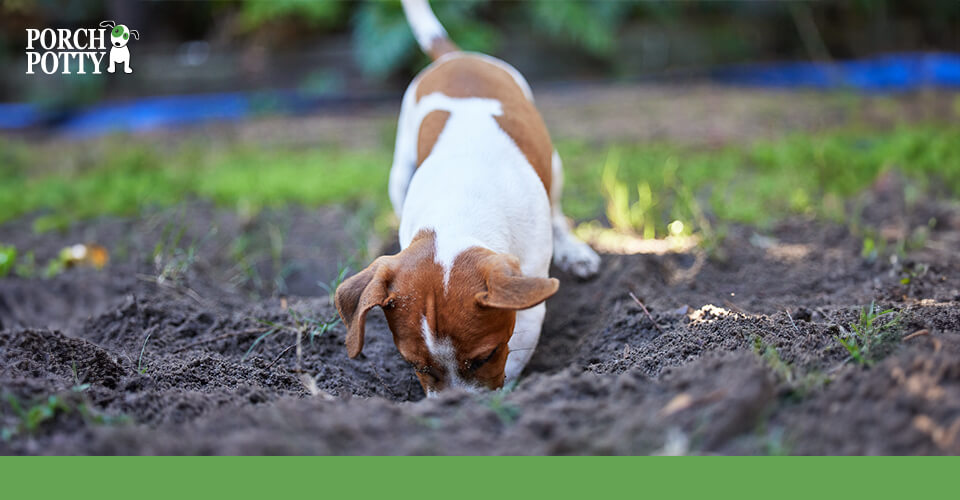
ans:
(427, 29)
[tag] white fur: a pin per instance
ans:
(476, 188)
(426, 28)
(443, 354)
(569, 253)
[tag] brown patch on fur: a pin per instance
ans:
(470, 76)
(430, 129)
(409, 287)
(440, 47)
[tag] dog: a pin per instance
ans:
(119, 53)
(476, 184)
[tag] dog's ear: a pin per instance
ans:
(357, 295)
(107, 24)
(507, 288)
(136, 34)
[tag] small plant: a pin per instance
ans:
(26, 267)
(8, 256)
(506, 412)
(32, 418)
(332, 285)
(771, 357)
(800, 384)
(141, 366)
(300, 325)
(867, 339)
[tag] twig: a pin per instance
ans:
(916, 334)
(251, 331)
(645, 311)
(791, 321)
(291, 346)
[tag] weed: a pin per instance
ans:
(26, 266)
(496, 402)
(331, 286)
(800, 384)
(300, 324)
(141, 367)
(868, 339)
(8, 257)
(31, 419)
(172, 261)
(911, 273)
(276, 237)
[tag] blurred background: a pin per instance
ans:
(298, 56)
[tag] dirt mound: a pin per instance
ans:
(736, 356)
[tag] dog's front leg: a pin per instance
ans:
(526, 334)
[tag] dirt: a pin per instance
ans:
(165, 350)
(738, 355)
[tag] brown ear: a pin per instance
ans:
(357, 295)
(507, 288)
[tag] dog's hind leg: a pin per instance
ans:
(569, 253)
(405, 151)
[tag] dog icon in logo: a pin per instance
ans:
(119, 53)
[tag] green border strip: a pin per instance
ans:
(476, 477)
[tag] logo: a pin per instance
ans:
(79, 51)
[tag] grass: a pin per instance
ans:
(870, 337)
(643, 188)
(647, 189)
(800, 384)
(31, 418)
(299, 324)
(8, 257)
(497, 403)
(123, 178)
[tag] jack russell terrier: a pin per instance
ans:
(476, 183)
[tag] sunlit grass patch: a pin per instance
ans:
(661, 190)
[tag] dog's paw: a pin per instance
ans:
(576, 258)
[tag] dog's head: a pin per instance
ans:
(452, 325)
(120, 34)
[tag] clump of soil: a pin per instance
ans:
(737, 356)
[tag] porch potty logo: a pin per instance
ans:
(77, 51)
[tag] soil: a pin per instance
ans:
(165, 351)
(738, 355)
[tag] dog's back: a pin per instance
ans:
(465, 75)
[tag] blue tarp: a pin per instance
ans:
(896, 72)
(888, 73)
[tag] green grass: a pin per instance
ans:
(31, 419)
(800, 383)
(299, 324)
(640, 187)
(125, 178)
(645, 187)
(870, 337)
